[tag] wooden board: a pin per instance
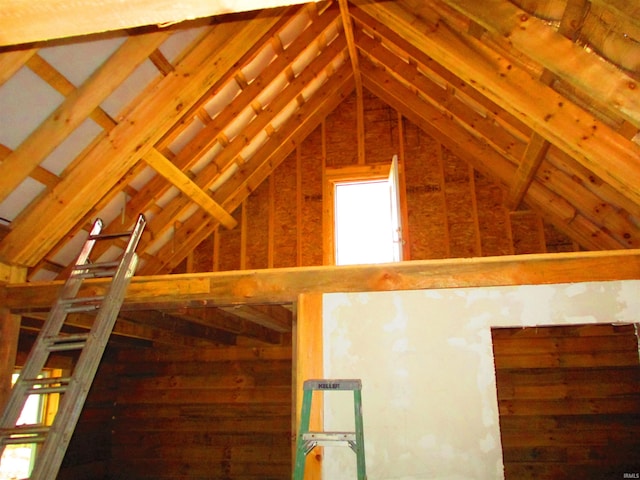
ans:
(569, 400)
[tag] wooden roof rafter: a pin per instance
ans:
(229, 156)
(565, 125)
(557, 54)
(564, 215)
(79, 104)
(260, 165)
(165, 218)
(135, 134)
(585, 205)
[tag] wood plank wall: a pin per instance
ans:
(453, 211)
(569, 401)
(222, 413)
(89, 451)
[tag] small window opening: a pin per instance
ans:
(367, 221)
(364, 232)
(18, 460)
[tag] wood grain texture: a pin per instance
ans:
(569, 400)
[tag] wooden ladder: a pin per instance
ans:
(307, 440)
(74, 388)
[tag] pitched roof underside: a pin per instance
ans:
(182, 123)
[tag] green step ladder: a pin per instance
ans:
(307, 440)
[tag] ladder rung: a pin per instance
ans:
(329, 436)
(42, 386)
(81, 304)
(46, 390)
(65, 347)
(94, 266)
(46, 380)
(95, 270)
(24, 434)
(107, 236)
(94, 274)
(75, 300)
(82, 308)
(66, 342)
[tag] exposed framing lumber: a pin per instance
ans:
(64, 206)
(308, 355)
(260, 166)
(628, 8)
(150, 326)
(557, 54)
(596, 146)
(12, 61)
(24, 21)
(537, 147)
(228, 157)
(144, 200)
(463, 144)
(283, 285)
(179, 179)
(226, 323)
(261, 316)
(78, 105)
(577, 217)
(53, 77)
(410, 74)
(405, 237)
(205, 139)
(353, 55)
(533, 156)
(39, 173)
(9, 334)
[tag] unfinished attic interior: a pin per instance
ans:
(502, 344)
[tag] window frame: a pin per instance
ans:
(47, 407)
(349, 174)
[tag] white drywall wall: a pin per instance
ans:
(426, 362)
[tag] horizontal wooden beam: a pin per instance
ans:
(163, 166)
(262, 316)
(285, 284)
(25, 21)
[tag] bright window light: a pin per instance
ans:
(365, 230)
(17, 460)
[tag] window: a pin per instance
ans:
(17, 460)
(366, 219)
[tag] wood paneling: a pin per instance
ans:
(569, 401)
(208, 413)
(89, 451)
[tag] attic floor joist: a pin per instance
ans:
(282, 286)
